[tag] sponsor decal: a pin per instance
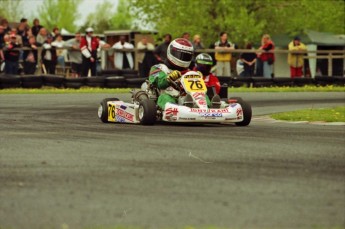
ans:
(123, 107)
(211, 115)
(198, 95)
(233, 105)
(120, 119)
(231, 118)
(239, 112)
(171, 111)
(201, 101)
(192, 76)
(124, 114)
(188, 119)
(198, 110)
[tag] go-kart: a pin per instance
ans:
(191, 107)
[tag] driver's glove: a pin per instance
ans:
(174, 75)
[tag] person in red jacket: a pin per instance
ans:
(266, 57)
(204, 64)
(88, 48)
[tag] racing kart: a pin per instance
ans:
(191, 107)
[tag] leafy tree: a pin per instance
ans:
(244, 20)
(106, 17)
(60, 13)
(11, 10)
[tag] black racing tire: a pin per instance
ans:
(147, 112)
(247, 111)
(103, 109)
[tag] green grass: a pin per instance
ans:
(51, 90)
(336, 114)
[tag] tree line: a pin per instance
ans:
(244, 21)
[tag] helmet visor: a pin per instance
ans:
(181, 54)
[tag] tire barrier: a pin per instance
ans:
(130, 79)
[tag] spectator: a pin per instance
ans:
(266, 57)
(42, 35)
(101, 54)
(60, 52)
(2, 34)
(161, 50)
(11, 55)
(49, 56)
(145, 48)
(123, 60)
(74, 54)
(240, 67)
(5, 25)
(55, 32)
(30, 56)
(197, 44)
(249, 60)
(36, 27)
(186, 36)
(22, 30)
(19, 40)
(88, 47)
(295, 60)
(223, 58)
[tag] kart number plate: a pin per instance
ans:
(111, 113)
(194, 85)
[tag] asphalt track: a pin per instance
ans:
(60, 167)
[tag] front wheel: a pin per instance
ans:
(247, 111)
(103, 109)
(147, 112)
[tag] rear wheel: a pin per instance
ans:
(103, 109)
(147, 112)
(247, 111)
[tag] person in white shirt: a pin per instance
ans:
(123, 60)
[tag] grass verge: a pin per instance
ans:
(336, 114)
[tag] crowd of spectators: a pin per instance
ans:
(259, 62)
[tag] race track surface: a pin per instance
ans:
(60, 167)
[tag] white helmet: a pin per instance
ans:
(180, 52)
(89, 30)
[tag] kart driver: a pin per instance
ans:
(179, 56)
(204, 64)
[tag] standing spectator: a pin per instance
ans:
(42, 36)
(144, 48)
(60, 52)
(88, 47)
(5, 25)
(186, 36)
(161, 50)
(197, 44)
(22, 30)
(223, 58)
(123, 60)
(11, 55)
(75, 57)
(49, 56)
(19, 39)
(249, 60)
(101, 54)
(55, 32)
(36, 27)
(295, 60)
(30, 56)
(266, 57)
(2, 44)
